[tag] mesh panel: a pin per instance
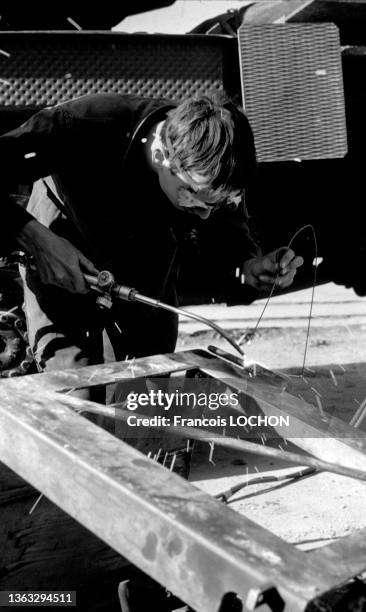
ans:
(46, 68)
(293, 90)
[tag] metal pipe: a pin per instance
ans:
(120, 414)
(143, 299)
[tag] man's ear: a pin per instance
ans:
(158, 159)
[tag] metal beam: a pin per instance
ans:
(194, 545)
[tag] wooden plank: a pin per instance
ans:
(194, 545)
(333, 440)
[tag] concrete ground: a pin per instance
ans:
(324, 507)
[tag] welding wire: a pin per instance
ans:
(35, 503)
(333, 378)
(73, 22)
(225, 495)
(232, 443)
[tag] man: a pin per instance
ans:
(118, 180)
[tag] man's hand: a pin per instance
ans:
(278, 267)
(57, 261)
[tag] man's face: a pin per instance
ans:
(189, 193)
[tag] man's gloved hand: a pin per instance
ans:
(57, 261)
(278, 267)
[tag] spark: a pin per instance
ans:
(301, 397)
(212, 446)
(165, 458)
(279, 446)
(310, 370)
(92, 376)
(224, 431)
(73, 22)
(149, 455)
(188, 449)
(173, 462)
(156, 458)
(357, 402)
(318, 401)
(118, 327)
(317, 392)
(247, 473)
(30, 155)
(242, 279)
(35, 503)
(333, 378)
(70, 391)
(342, 368)
(5, 53)
(237, 272)
(256, 469)
(10, 311)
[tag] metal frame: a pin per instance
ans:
(189, 542)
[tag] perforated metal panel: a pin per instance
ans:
(292, 87)
(46, 68)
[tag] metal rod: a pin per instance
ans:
(113, 411)
(179, 311)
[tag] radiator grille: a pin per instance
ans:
(292, 87)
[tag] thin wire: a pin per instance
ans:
(311, 227)
(252, 333)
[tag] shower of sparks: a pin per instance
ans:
(5, 53)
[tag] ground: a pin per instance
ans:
(323, 507)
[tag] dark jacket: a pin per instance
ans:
(118, 214)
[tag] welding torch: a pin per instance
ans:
(104, 284)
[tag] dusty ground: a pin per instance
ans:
(319, 509)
